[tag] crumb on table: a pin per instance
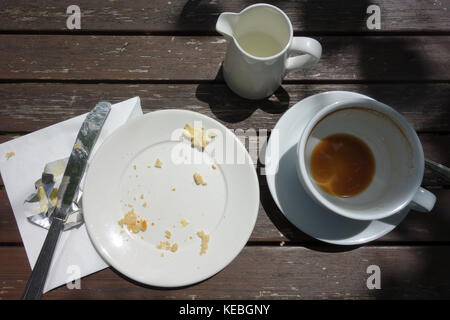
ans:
(205, 241)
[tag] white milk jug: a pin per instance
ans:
(260, 39)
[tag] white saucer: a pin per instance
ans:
(288, 192)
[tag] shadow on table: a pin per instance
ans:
(229, 107)
(200, 14)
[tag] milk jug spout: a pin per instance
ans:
(225, 24)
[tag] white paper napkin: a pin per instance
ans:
(75, 255)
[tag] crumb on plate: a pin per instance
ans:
(166, 245)
(205, 241)
(132, 222)
(197, 136)
(158, 163)
(199, 179)
(184, 222)
(168, 234)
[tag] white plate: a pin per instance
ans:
(289, 194)
(226, 208)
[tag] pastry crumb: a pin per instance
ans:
(282, 243)
(173, 189)
(214, 167)
(184, 222)
(166, 245)
(205, 241)
(142, 196)
(134, 167)
(9, 155)
(132, 222)
(158, 163)
(199, 179)
(144, 204)
(197, 136)
(168, 234)
(148, 166)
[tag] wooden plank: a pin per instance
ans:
(77, 57)
(201, 16)
(30, 106)
(281, 273)
(271, 225)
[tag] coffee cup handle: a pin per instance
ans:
(423, 201)
(312, 51)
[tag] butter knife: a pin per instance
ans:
(86, 138)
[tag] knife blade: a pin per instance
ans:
(76, 166)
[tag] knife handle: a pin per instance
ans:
(35, 285)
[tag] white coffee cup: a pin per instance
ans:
(255, 77)
(398, 153)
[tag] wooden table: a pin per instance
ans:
(168, 53)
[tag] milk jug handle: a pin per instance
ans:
(311, 49)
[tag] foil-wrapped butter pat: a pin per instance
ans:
(40, 204)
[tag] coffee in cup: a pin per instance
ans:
(361, 159)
